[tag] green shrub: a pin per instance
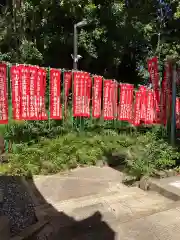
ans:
(143, 153)
(51, 146)
(149, 154)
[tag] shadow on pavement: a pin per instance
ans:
(19, 203)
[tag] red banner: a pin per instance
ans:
(24, 83)
(108, 112)
(157, 107)
(67, 82)
(178, 113)
(96, 98)
(153, 71)
(16, 92)
(81, 94)
(33, 89)
(67, 87)
(126, 102)
(163, 99)
(87, 99)
(3, 94)
(137, 109)
(150, 108)
(40, 94)
(143, 91)
(166, 94)
(28, 93)
(55, 94)
(115, 99)
(77, 94)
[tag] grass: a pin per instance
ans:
(142, 153)
(45, 147)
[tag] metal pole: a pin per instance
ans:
(173, 119)
(75, 48)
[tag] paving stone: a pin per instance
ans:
(85, 212)
(165, 218)
(137, 230)
(92, 203)
(121, 212)
(167, 233)
(68, 188)
(103, 174)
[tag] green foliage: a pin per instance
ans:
(51, 146)
(116, 43)
(150, 153)
(122, 34)
(142, 152)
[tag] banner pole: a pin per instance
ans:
(91, 100)
(49, 97)
(173, 119)
(116, 104)
(80, 118)
(72, 112)
(7, 96)
(102, 113)
(10, 111)
(64, 97)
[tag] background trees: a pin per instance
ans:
(119, 38)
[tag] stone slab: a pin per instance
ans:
(89, 203)
(64, 189)
(168, 187)
(78, 183)
(106, 174)
(159, 226)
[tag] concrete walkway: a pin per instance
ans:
(92, 203)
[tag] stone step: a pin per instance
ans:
(110, 206)
(168, 187)
(158, 226)
(112, 195)
(98, 211)
(98, 228)
(115, 204)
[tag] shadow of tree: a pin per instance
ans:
(25, 207)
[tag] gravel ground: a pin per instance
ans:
(16, 204)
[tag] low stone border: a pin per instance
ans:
(144, 183)
(160, 185)
(165, 173)
(156, 187)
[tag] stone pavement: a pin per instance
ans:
(92, 203)
(77, 183)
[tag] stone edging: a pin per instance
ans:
(165, 173)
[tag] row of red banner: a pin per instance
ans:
(28, 86)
